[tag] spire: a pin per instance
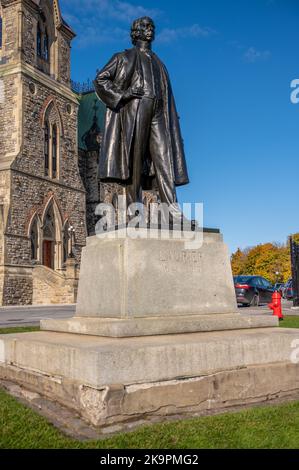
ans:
(92, 138)
(60, 23)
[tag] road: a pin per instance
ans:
(264, 309)
(31, 315)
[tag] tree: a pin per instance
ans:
(264, 260)
(238, 259)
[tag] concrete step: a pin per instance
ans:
(112, 380)
(99, 361)
(148, 326)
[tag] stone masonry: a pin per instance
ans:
(36, 91)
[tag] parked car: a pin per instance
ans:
(288, 292)
(253, 290)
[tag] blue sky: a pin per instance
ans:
(231, 63)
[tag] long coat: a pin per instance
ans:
(123, 71)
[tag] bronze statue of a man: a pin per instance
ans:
(142, 140)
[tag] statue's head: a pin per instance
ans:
(143, 29)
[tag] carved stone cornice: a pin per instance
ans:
(41, 77)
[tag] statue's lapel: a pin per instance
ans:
(137, 79)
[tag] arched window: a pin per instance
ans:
(39, 41)
(49, 239)
(54, 151)
(46, 147)
(66, 240)
(34, 241)
(53, 133)
(49, 225)
(46, 46)
(1, 24)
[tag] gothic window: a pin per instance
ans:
(34, 240)
(49, 226)
(39, 41)
(52, 140)
(54, 151)
(66, 240)
(46, 148)
(46, 46)
(1, 32)
(49, 239)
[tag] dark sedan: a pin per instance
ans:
(253, 290)
(288, 292)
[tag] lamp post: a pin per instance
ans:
(71, 231)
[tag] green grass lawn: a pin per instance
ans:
(290, 322)
(18, 329)
(269, 427)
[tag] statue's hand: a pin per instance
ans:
(131, 94)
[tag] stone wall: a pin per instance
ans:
(35, 105)
(29, 23)
(31, 90)
(9, 52)
(1, 234)
(4, 205)
(1, 283)
(30, 189)
(17, 286)
(59, 42)
(50, 287)
(88, 165)
(9, 118)
(31, 195)
(64, 62)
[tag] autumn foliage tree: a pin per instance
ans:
(264, 260)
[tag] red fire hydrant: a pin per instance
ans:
(276, 305)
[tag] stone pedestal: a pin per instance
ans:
(114, 380)
(156, 332)
(145, 277)
(146, 286)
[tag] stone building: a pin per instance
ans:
(50, 137)
(42, 196)
(90, 125)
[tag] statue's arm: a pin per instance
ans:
(104, 83)
(105, 89)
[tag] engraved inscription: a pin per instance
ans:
(172, 261)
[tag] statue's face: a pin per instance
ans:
(146, 30)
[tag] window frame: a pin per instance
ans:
(47, 148)
(55, 152)
(39, 41)
(46, 46)
(34, 242)
(1, 32)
